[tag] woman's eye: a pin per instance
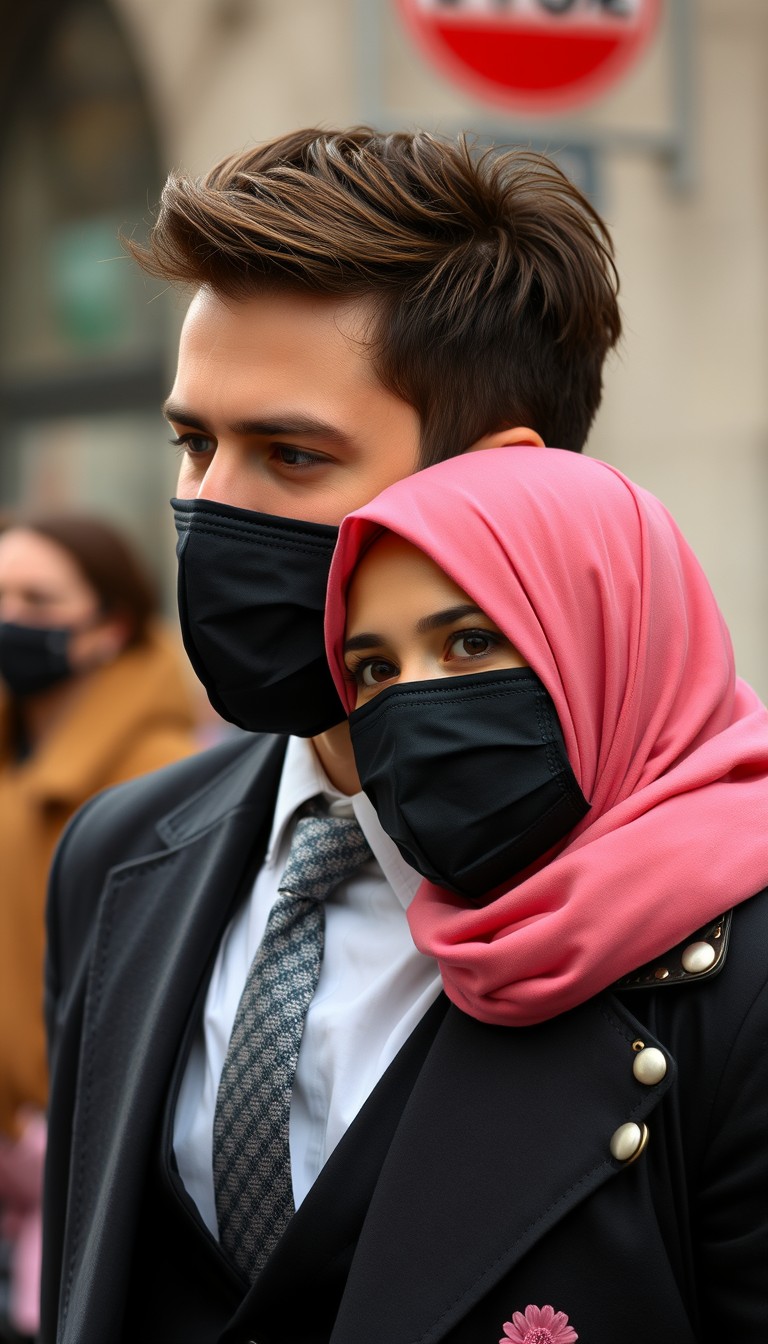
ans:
(472, 644)
(374, 672)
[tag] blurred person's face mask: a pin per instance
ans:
(33, 658)
(251, 595)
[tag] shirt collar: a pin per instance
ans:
(303, 778)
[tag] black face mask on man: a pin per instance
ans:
(469, 775)
(251, 593)
(34, 658)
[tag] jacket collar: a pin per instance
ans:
(700, 956)
(250, 781)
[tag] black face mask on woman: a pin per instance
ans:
(33, 658)
(468, 775)
(251, 595)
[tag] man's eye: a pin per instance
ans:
(194, 444)
(296, 457)
(472, 644)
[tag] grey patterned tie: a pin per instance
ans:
(251, 1156)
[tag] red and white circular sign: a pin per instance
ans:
(537, 55)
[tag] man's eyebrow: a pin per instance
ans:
(308, 426)
(180, 415)
(368, 640)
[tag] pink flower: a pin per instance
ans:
(539, 1325)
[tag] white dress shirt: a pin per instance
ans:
(374, 988)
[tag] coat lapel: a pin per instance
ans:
(160, 920)
(320, 1239)
(505, 1132)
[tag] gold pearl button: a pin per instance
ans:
(649, 1066)
(698, 957)
(628, 1142)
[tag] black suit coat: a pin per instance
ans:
(477, 1178)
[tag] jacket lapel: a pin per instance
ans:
(160, 920)
(504, 1133)
(320, 1239)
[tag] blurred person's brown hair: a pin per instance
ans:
(491, 275)
(107, 559)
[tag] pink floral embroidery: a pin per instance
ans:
(539, 1325)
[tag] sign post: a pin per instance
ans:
(537, 56)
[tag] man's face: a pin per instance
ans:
(277, 408)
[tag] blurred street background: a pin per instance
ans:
(99, 98)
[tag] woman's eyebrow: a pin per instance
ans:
(445, 617)
(363, 641)
(368, 640)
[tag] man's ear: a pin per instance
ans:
(502, 438)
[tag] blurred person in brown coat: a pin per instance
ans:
(91, 693)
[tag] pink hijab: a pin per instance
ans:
(590, 578)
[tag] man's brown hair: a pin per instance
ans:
(492, 278)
